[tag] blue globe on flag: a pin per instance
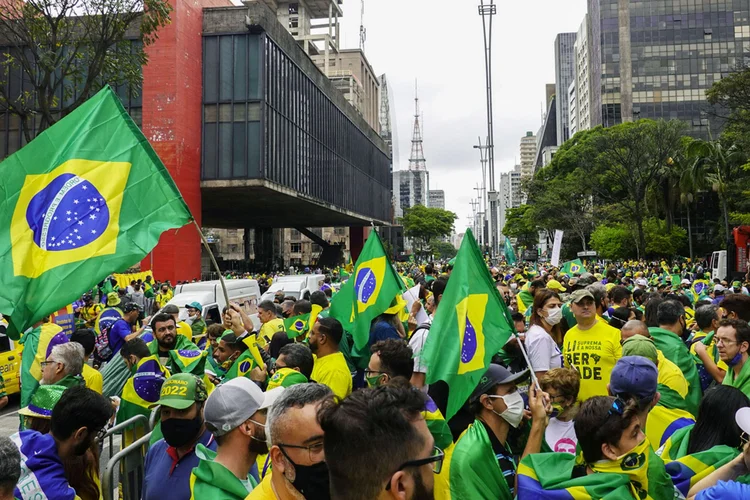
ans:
(148, 381)
(67, 214)
(299, 325)
(365, 284)
(575, 268)
(469, 346)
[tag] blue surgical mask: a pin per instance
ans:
(735, 360)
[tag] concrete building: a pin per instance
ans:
(528, 155)
(411, 187)
(572, 109)
(437, 198)
(565, 71)
(516, 195)
(656, 59)
(547, 136)
(582, 82)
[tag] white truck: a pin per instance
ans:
(299, 286)
(210, 296)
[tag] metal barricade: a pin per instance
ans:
(131, 464)
(116, 443)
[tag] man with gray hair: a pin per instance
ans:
(64, 365)
(295, 442)
(10, 468)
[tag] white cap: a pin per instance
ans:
(641, 282)
(271, 397)
(718, 288)
(742, 417)
(685, 282)
(231, 404)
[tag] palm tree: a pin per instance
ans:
(688, 189)
(716, 166)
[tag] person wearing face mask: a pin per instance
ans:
(236, 414)
(228, 349)
(170, 460)
(195, 320)
(78, 420)
(733, 341)
(543, 336)
(618, 462)
(668, 338)
(295, 441)
(482, 465)
(562, 385)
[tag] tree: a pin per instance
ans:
(519, 224)
(730, 98)
(443, 249)
(612, 241)
(716, 167)
(423, 224)
(615, 241)
(66, 50)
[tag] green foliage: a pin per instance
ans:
(67, 50)
(615, 241)
(519, 224)
(612, 241)
(423, 224)
(661, 242)
(443, 249)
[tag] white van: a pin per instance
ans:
(211, 297)
(299, 286)
(719, 265)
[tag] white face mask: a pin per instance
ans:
(514, 413)
(554, 316)
(513, 286)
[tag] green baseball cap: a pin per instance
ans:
(638, 345)
(285, 377)
(195, 305)
(44, 400)
(181, 391)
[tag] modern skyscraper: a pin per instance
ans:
(516, 196)
(656, 59)
(437, 198)
(564, 76)
(528, 155)
(581, 48)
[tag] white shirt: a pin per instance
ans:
(417, 341)
(561, 436)
(542, 350)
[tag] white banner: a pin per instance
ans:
(556, 248)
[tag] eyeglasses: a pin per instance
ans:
(314, 450)
(436, 459)
(723, 341)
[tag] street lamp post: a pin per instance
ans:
(487, 10)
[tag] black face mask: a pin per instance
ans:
(311, 480)
(180, 431)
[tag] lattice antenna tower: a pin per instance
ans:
(362, 30)
(416, 158)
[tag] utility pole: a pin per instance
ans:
(487, 9)
(485, 233)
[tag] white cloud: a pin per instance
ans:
(440, 43)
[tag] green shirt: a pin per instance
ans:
(741, 381)
(214, 481)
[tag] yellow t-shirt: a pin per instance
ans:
(671, 375)
(185, 330)
(92, 378)
(333, 371)
(268, 329)
(264, 490)
(711, 348)
(593, 353)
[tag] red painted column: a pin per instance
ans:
(357, 238)
(172, 109)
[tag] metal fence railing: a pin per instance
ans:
(125, 446)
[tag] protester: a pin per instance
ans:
(182, 327)
(87, 339)
(591, 347)
(419, 337)
(296, 448)
(122, 329)
(562, 385)
(703, 347)
(10, 468)
(195, 319)
(64, 365)
(378, 445)
(77, 421)
(170, 461)
(733, 341)
(90, 310)
(38, 413)
(165, 295)
(482, 466)
(228, 350)
(171, 348)
(525, 297)
(544, 336)
(236, 415)
(735, 306)
(210, 343)
(330, 367)
(270, 322)
(297, 357)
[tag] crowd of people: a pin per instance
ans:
(624, 380)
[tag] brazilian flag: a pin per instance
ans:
(572, 267)
(299, 325)
(470, 326)
(86, 198)
(369, 293)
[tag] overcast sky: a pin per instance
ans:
(440, 43)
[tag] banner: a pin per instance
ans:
(556, 248)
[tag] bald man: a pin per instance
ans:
(634, 327)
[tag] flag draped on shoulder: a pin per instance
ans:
(369, 292)
(572, 267)
(510, 255)
(87, 197)
(302, 324)
(470, 326)
(142, 389)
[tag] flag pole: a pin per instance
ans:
(213, 261)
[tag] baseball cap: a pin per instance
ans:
(742, 417)
(181, 390)
(641, 282)
(555, 285)
(113, 298)
(718, 288)
(495, 375)
(578, 295)
(232, 403)
(685, 282)
(44, 400)
(638, 345)
(171, 309)
(634, 375)
(286, 377)
(736, 284)
(130, 307)
(195, 305)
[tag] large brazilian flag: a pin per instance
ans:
(86, 198)
(470, 326)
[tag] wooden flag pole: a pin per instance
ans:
(213, 261)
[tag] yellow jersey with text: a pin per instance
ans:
(593, 353)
